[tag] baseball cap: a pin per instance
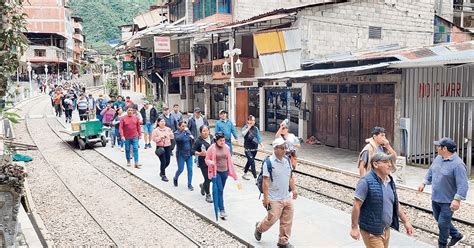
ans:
(223, 111)
(197, 109)
(377, 130)
(447, 142)
(146, 102)
(278, 142)
(381, 156)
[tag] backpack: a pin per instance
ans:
(259, 182)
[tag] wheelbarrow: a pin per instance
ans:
(88, 133)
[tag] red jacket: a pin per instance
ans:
(129, 127)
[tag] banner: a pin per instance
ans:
(128, 65)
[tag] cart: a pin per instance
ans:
(88, 133)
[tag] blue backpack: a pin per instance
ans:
(259, 182)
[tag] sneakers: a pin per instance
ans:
(129, 164)
(121, 149)
(287, 245)
(202, 189)
(244, 176)
(191, 188)
(257, 234)
(209, 198)
(149, 145)
(222, 214)
(455, 241)
(112, 146)
(138, 166)
(164, 178)
(175, 182)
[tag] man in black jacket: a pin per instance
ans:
(149, 115)
(196, 121)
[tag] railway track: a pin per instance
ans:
(52, 121)
(351, 189)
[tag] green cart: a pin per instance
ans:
(90, 132)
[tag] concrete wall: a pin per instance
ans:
(344, 27)
(244, 9)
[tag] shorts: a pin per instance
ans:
(148, 128)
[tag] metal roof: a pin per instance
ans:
(317, 73)
(463, 57)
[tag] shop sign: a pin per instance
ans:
(439, 89)
(128, 65)
(162, 44)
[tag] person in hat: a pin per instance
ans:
(277, 199)
(226, 126)
(376, 208)
(196, 121)
(377, 143)
(149, 116)
(292, 142)
(170, 121)
(448, 177)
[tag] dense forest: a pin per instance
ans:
(102, 18)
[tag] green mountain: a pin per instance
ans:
(102, 18)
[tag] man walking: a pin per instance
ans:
(130, 133)
(91, 107)
(376, 208)
(82, 107)
(176, 114)
(378, 143)
(276, 196)
(227, 127)
(149, 116)
(448, 177)
(196, 121)
(169, 119)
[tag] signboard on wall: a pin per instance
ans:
(162, 44)
(128, 65)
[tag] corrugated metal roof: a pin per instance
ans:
(463, 57)
(317, 73)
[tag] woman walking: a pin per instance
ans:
(184, 140)
(162, 136)
(252, 139)
(199, 150)
(115, 132)
(220, 165)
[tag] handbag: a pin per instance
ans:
(173, 144)
(159, 151)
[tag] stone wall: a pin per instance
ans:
(345, 27)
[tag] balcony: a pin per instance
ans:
(176, 61)
(44, 54)
(248, 69)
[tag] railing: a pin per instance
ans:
(176, 61)
(202, 69)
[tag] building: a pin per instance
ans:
(50, 32)
(79, 45)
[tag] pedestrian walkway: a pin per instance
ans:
(314, 224)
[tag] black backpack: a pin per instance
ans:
(259, 182)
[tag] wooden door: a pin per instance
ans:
(385, 113)
(368, 116)
(241, 110)
(319, 117)
(332, 127)
(377, 110)
(349, 121)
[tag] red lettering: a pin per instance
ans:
(458, 89)
(421, 90)
(428, 90)
(453, 89)
(442, 89)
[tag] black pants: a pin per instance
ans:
(207, 181)
(165, 159)
(251, 162)
(82, 114)
(68, 113)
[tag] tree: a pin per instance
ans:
(12, 41)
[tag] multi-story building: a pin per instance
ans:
(78, 50)
(50, 32)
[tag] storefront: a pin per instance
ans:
(281, 104)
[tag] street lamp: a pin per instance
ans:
(226, 68)
(46, 72)
(29, 74)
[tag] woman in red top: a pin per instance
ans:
(162, 136)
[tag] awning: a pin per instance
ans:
(263, 19)
(317, 73)
(182, 73)
(464, 57)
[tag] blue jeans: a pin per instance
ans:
(221, 177)
(229, 143)
(115, 136)
(443, 215)
(189, 167)
(134, 144)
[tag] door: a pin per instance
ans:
(349, 121)
(242, 110)
(319, 117)
(332, 127)
(385, 114)
(368, 116)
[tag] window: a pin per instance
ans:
(177, 10)
(173, 87)
(205, 8)
(40, 52)
(375, 32)
(183, 46)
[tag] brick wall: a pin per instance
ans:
(344, 27)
